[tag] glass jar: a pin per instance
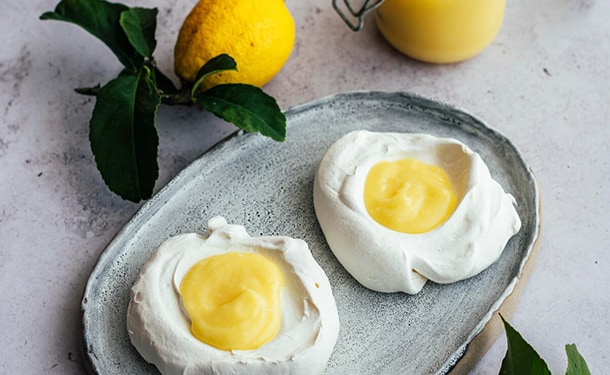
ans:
(436, 31)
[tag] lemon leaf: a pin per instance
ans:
(576, 363)
(140, 25)
(246, 106)
(520, 357)
(123, 136)
(102, 20)
(213, 65)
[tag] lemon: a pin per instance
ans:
(259, 35)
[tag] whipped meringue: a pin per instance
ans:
(468, 241)
(159, 328)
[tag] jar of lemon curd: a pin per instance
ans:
(435, 31)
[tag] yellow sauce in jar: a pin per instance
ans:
(440, 31)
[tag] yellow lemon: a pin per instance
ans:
(259, 35)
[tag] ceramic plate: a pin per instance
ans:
(267, 187)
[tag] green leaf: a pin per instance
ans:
(521, 358)
(576, 363)
(246, 106)
(102, 20)
(214, 65)
(123, 135)
(140, 25)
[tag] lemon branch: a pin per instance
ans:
(122, 128)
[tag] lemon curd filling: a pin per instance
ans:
(233, 300)
(408, 195)
(440, 31)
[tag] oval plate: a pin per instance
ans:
(267, 187)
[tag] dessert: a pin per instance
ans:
(233, 304)
(400, 209)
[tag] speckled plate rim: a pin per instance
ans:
(480, 338)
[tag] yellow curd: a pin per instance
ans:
(440, 31)
(408, 196)
(233, 300)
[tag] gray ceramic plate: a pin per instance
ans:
(267, 187)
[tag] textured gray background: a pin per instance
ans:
(542, 83)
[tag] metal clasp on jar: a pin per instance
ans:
(368, 5)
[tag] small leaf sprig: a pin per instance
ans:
(122, 132)
(521, 358)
